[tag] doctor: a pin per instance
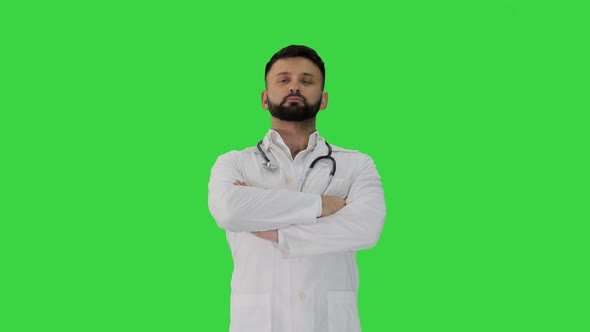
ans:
(294, 229)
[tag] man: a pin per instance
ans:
(296, 209)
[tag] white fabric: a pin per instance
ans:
(308, 281)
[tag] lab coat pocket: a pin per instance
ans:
(250, 313)
(338, 187)
(342, 312)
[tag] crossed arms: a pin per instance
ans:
(330, 205)
(300, 223)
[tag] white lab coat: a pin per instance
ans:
(308, 281)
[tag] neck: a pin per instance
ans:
(294, 134)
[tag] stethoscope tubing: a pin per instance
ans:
(268, 165)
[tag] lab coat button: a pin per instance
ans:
(301, 296)
(288, 179)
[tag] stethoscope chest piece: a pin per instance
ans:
(266, 164)
(270, 166)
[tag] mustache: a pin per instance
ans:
(300, 96)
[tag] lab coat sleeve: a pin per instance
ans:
(356, 226)
(247, 209)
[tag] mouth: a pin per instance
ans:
(292, 99)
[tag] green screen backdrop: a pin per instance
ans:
(113, 112)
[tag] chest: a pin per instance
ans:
(311, 174)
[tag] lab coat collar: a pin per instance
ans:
(274, 138)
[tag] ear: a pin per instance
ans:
(264, 100)
(324, 102)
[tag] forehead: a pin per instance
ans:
(294, 66)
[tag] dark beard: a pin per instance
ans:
(293, 111)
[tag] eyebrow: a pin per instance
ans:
(288, 73)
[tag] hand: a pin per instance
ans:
(240, 183)
(272, 235)
(331, 205)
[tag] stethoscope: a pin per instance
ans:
(268, 165)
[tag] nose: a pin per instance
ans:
(294, 88)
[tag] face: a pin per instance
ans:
(294, 90)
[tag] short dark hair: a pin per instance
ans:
(293, 51)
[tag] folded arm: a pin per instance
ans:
(356, 226)
(244, 208)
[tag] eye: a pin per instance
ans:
(307, 82)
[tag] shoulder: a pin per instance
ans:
(336, 148)
(247, 150)
(358, 162)
(348, 153)
(236, 157)
(238, 154)
(352, 161)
